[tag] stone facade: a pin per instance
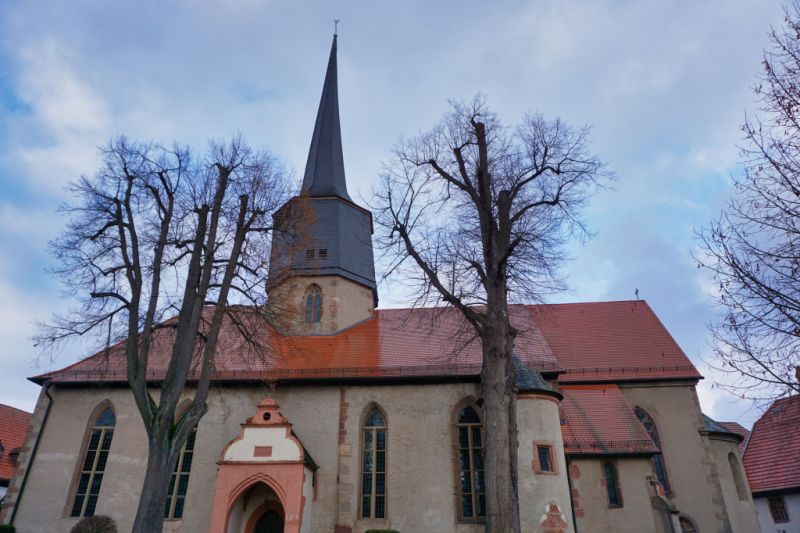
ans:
(690, 458)
(732, 481)
(422, 478)
(590, 499)
(344, 303)
(421, 484)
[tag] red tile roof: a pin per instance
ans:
(599, 420)
(395, 342)
(430, 342)
(737, 428)
(772, 457)
(611, 341)
(13, 427)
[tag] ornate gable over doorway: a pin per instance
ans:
(265, 477)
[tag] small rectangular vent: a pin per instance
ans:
(323, 253)
(310, 253)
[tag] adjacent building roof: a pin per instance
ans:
(712, 426)
(13, 428)
(403, 343)
(772, 457)
(611, 341)
(737, 428)
(597, 419)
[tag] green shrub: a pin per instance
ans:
(5, 528)
(95, 524)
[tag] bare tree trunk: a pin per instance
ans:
(160, 464)
(151, 210)
(512, 197)
(499, 395)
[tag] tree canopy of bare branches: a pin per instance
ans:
(753, 248)
(474, 214)
(159, 239)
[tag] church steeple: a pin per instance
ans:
(324, 174)
(324, 275)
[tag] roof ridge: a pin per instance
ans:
(15, 409)
(525, 305)
(642, 300)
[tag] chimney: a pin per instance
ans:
(797, 373)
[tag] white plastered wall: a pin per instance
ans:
(538, 421)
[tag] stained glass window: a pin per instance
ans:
(471, 486)
(612, 485)
(658, 459)
(179, 482)
(373, 466)
(313, 304)
(94, 465)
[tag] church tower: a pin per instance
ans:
(322, 272)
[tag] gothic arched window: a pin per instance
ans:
(612, 484)
(179, 481)
(471, 487)
(738, 479)
(93, 464)
(658, 459)
(313, 303)
(373, 464)
(687, 525)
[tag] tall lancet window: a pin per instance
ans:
(373, 465)
(659, 466)
(94, 464)
(471, 488)
(313, 303)
(179, 482)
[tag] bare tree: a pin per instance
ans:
(753, 248)
(160, 250)
(475, 214)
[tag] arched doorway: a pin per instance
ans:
(265, 468)
(257, 510)
(269, 522)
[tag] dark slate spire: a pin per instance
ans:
(339, 242)
(325, 166)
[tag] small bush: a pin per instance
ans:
(95, 524)
(5, 528)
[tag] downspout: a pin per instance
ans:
(33, 452)
(339, 442)
(571, 499)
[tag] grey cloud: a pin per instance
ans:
(665, 86)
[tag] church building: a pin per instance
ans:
(367, 418)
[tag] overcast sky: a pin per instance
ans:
(665, 86)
